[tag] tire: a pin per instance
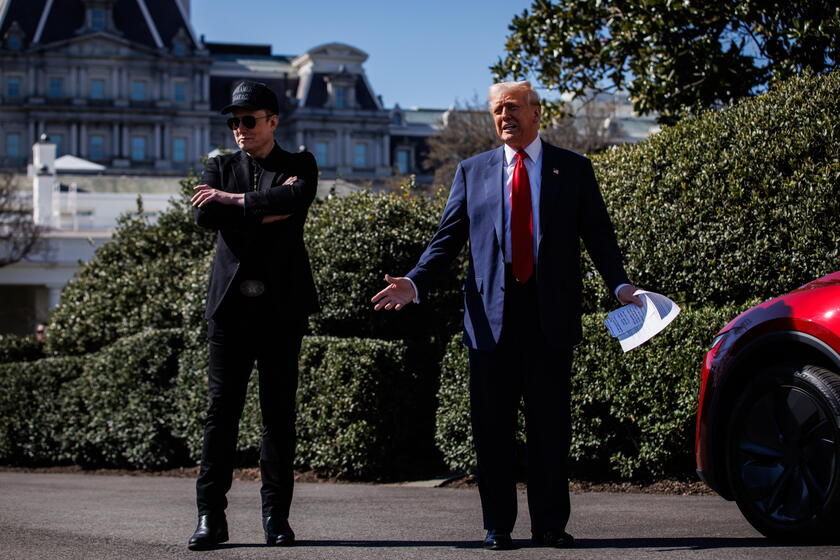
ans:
(783, 453)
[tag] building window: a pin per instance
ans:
(96, 147)
(13, 87)
(361, 157)
(341, 98)
(180, 93)
(97, 88)
(322, 151)
(403, 159)
(138, 90)
(138, 148)
(179, 47)
(13, 145)
(14, 42)
(58, 140)
(56, 87)
(179, 150)
(97, 19)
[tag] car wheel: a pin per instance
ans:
(783, 455)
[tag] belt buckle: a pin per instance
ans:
(252, 288)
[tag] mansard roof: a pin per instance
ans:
(318, 94)
(151, 23)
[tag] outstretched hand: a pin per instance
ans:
(397, 295)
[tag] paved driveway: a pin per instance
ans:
(64, 516)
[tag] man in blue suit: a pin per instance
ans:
(523, 207)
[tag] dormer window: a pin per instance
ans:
(97, 15)
(181, 43)
(14, 37)
(340, 91)
(98, 19)
(340, 98)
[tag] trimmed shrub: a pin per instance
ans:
(358, 406)
(632, 414)
(354, 241)
(32, 410)
(133, 283)
(363, 412)
(119, 412)
(735, 204)
(15, 348)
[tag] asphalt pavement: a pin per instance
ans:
(78, 516)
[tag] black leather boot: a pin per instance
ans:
(212, 530)
(278, 532)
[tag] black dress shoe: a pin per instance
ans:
(497, 540)
(557, 539)
(278, 532)
(212, 530)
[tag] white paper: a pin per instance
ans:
(633, 325)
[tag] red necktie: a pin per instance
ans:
(521, 224)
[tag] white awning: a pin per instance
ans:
(73, 164)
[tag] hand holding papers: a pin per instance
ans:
(633, 325)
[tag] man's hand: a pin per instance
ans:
(274, 218)
(205, 194)
(625, 295)
(397, 295)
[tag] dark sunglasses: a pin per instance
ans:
(247, 121)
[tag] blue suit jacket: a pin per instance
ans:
(571, 209)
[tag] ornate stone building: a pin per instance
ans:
(123, 83)
(128, 84)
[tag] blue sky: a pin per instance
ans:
(428, 54)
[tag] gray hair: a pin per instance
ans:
(499, 87)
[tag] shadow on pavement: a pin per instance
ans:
(664, 544)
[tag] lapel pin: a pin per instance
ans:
(555, 171)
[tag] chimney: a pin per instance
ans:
(45, 201)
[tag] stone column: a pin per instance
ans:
(53, 296)
(126, 132)
(74, 139)
(115, 140)
(157, 143)
(83, 148)
(82, 91)
(73, 82)
(115, 83)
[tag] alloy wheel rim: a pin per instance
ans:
(786, 454)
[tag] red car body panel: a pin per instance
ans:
(810, 314)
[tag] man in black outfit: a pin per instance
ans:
(260, 293)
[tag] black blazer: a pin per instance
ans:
(282, 253)
(571, 210)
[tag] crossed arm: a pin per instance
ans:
(205, 194)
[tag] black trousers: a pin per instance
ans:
(245, 331)
(523, 366)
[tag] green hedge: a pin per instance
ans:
(632, 414)
(360, 408)
(363, 411)
(32, 410)
(736, 204)
(119, 412)
(133, 283)
(354, 241)
(15, 348)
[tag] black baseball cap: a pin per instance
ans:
(252, 96)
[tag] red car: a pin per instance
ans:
(768, 418)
